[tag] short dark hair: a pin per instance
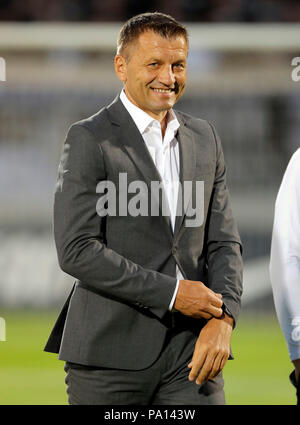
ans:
(160, 23)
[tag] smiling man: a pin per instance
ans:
(150, 316)
(153, 69)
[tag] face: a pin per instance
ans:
(154, 77)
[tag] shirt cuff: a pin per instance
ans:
(174, 296)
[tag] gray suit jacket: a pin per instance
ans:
(117, 313)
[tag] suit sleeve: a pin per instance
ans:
(224, 248)
(80, 248)
(285, 256)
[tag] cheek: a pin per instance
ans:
(182, 84)
(149, 77)
(182, 79)
(139, 82)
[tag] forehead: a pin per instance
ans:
(150, 44)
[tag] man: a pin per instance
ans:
(285, 262)
(157, 294)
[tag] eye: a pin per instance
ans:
(178, 66)
(153, 64)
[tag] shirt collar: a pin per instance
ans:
(142, 119)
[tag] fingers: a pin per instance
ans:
(214, 311)
(214, 304)
(223, 362)
(209, 312)
(196, 364)
(203, 315)
(216, 367)
(205, 371)
(217, 300)
(214, 307)
(206, 367)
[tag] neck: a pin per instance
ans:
(163, 124)
(162, 116)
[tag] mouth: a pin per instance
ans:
(166, 91)
(169, 90)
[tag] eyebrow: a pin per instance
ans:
(153, 59)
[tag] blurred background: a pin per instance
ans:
(59, 69)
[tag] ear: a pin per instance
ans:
(121, 68)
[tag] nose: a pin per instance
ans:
(166, 76)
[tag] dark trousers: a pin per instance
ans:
(165, 382)
(296, 385)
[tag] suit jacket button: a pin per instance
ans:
(174, 249)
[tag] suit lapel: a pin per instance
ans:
(132, 141)
(187, 155)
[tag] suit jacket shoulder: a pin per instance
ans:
(203, 131)
(99, 124)
(96, 124)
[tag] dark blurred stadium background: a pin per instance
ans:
(120, 10)
(59, 59)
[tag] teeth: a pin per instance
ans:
(162, 90)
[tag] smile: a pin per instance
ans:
(162, 90)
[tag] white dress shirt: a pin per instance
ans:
(165, 155)
(285, 256)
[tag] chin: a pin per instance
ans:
(163, 108)
(166, 105)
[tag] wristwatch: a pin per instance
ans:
(225, 310)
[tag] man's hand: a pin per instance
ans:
(196, 300)
(212, 349)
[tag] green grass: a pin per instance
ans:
(261, 366)
(28, 375)
(258, 375)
